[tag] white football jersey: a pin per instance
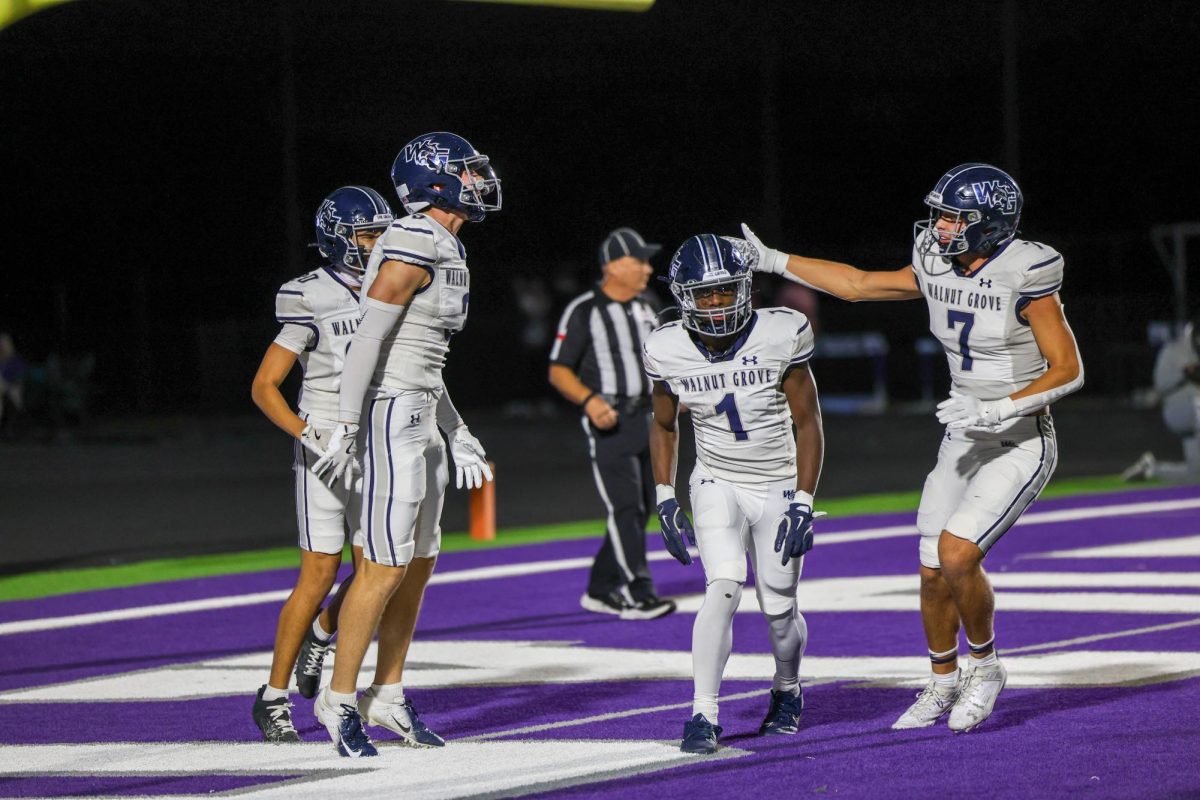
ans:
(741, 417)
(991, 349)
(413, 354)
(319, 312)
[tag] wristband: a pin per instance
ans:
(804, 498)
(663, 492)
(583, 403)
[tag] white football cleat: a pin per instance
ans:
(400, 718)
(980, 687)
(932, 704)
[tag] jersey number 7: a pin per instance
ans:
(968, 321)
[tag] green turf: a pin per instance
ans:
(45, 584)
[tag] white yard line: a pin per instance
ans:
(1100, 637)
(551, 565)
(631, 712)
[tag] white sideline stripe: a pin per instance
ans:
(553, 565)
(631, 712)
(1100, 637)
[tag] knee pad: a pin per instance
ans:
(775, 598)
(733, 570)
(929, 550)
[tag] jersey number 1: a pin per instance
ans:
(968, 321)
(729, 408)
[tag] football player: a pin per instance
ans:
(318, 313)
(993, 303)
(743, 374)
(415, 296)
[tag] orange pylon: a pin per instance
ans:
(482, 512)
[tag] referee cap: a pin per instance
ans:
(626, 242)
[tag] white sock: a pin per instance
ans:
(389, 692)
(947, 680)
(712, 641)
(271, 693)
(989, 660)
(319, 632)
(705, 704)
(339, 699)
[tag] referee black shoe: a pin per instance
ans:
(651, 607)
(612, 603)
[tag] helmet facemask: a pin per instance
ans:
(723, 320)
(929, 237)
(355, 257)
(479, 188)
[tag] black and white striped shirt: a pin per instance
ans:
(600, 340)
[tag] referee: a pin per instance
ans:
(596, 363)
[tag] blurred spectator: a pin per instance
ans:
(800, 298)
(12, 384)
(1177, 383)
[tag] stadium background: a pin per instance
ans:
(162, 161)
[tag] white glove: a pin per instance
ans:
(963, 411)
(766, 259)
(470, 462)
(338, 460)
(314, 440)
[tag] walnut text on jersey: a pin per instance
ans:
(723, 380)
(953, 295)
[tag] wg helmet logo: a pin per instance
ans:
(426, 153)
(997, 194)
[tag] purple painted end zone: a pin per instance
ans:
(131, 785)
(1105, 742)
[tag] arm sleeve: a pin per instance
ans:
(299, 332)
(362, 354)
(448, 418)
(572, 338)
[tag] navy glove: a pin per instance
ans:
(794, 531)
(677, 530)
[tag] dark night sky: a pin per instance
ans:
(146, 158)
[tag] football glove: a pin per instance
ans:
(470, 462)
(677, 530)
(338, 460)
(964, 411)
(314, 440)
(766, 259)
(794, 529)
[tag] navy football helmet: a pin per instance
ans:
(343, 214)
(443, 170)
(706, 263)
(985, 198)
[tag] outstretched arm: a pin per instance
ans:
(833, 277)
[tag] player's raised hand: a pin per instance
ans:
(794, 530)
(765, 259)
(677, 530)
(339, 454)
(470, 461)
(964, 411)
